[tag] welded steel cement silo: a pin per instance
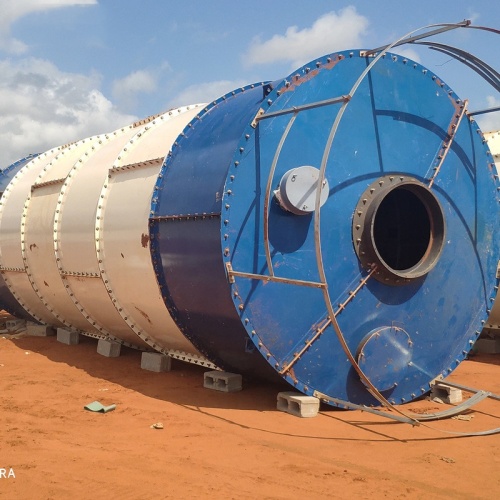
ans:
(379, 282)
(53, 240)
(337, 228)
(7, 300)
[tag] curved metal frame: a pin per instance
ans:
(317, 216)
(478, 65)
(322, 283)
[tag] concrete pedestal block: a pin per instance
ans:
(108, 348)
(488, 346)
(68, 337)
(298, 404)
(15, 324)
(448, 395)
(40, 330)
(222, 381)
(156, 362)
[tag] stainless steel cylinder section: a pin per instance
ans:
(41, 212)
(122, 237)
(74, 238)
(493, 139)
(136, 316)
(12, 228)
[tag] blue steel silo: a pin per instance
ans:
(337, 229)
(340, 225)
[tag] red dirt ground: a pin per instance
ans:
(218, 445)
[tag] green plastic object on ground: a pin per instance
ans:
(99, 407)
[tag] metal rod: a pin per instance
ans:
(304, 107)
(211, 215)
(306, 346)
(276, 279)
(141, 164)
(484, 28)
(467, 389)
(444, 28)
(460, 53)
(485, 71)
(320, 330)
(47, 183)
(79, 274)
(317, 236)
(352, 294)
(267, 199)
(448, 141)
(375, 411)
(483, 111)
(11, 270)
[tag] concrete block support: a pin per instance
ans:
(298, 404)
(40, 330)
(488, 346)
(448, 395)
(108, 348)
(68, 337)
(15, 324)
(156, 362)
(222, 381)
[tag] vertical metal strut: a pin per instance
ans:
(448, 141)
(317, 210)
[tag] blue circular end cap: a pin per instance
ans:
(400, 155)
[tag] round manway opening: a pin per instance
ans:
(402, 229)
(399, 227)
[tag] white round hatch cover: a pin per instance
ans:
(297, 190)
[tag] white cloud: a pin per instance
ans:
(490, 122)
(329, 33)
(12, 10)
(126, 89)
(205, 92)
(42, 107)
(407, 52)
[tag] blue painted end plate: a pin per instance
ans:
(395, 125)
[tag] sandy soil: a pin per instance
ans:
(218, 445)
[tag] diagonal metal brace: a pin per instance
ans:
(368, 409)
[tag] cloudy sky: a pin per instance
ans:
(74, 68)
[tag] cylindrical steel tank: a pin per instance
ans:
(337, 228)
(390, 286)
(60, 260)
(7, 301)
(493, 138)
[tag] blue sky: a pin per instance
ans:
(70, 69)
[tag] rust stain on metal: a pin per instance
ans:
(144, 315)
(291, 374)
(45, 283)
(456, 103)
(299, 80)
(460, 110)
(335, 59)
(123, 256)
(33, 245)
(144, 240)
